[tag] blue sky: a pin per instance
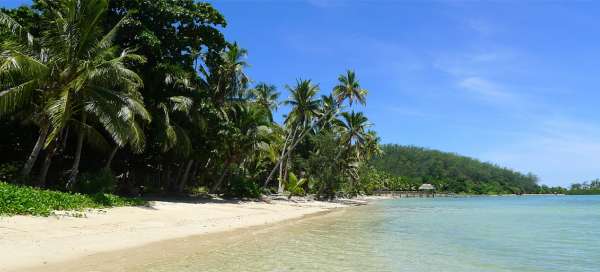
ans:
(515, 83)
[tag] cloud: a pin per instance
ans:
(560, 150)
(485, 88)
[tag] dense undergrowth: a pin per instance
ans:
(25, 200)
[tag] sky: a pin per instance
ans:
(515, 83)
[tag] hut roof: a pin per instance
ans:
(426, 186)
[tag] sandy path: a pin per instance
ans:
(27, 241)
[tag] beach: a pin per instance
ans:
(33, 243)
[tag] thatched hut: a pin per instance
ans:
(427, 190)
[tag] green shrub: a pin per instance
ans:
(102, 181)
(244, 188)
(26, 200)
(294, 185)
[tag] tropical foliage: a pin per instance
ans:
(150, 94)
(24, 200)
(451, 172)
(585, 188)
(149, 97)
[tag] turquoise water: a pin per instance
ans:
(533, 233)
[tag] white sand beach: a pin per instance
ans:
(28, 242)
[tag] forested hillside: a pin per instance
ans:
(451, 172)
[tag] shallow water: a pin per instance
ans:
(533, 233)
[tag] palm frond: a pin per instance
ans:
(59, 113)
(16, 97)
(16, 29)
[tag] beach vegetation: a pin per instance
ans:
(25, 200)
(149, 97)
(451, 172)
(585, 188)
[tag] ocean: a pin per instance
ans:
(504, 233)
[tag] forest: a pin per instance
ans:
(135, 96)
(451, 172)
(585, 188)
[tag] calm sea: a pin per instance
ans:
(530, 233)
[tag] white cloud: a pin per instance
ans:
(559, 150)
(483, 87)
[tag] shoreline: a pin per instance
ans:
(43, 243)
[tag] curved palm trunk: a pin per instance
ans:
(26, 171)
(286, 154)
(284, 178)
(184, 179)
(217, 185)
(41, 182)
(75, 169)
(280, 161)
(291, 148)
(280, 187)
(112, 155)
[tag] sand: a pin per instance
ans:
(28, 242)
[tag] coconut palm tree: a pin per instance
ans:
(353, 127)
(353, 138)
(299, 121)
(232, 81)
(249, 132)
(303, 103)
(328, 111)
(24, 76)
(81, 76)
(349, 89)
(267, 97)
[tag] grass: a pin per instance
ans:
(24, 200)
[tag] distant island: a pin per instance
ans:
(410, 166)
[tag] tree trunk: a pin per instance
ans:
(173, 184)
(217, 185)
(194, 173)
(45, 166)
(184, 179)
(26, 171)
(111, 157)
(279, 161)
(286, 154)
(284, 177)
(75, 168)
(280, 180)
(302, 135)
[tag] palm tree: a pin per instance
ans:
(267, 97)
(348, 88)
(352, 138)
(24, 75)
(231, 78)
(249, 132)
(352, 128)
(299, 120)
(328, 111)
(303, 102)
(372, 146)
(82, 77)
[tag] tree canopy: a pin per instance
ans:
(451, 172)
